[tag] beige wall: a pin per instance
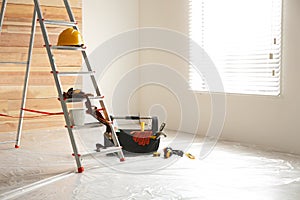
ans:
(159, 99)
(104, 20)
(267, 121)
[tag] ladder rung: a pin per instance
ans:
(104, 151)
(73, 73)
(69, 48)
(17, 63)
(60, 23)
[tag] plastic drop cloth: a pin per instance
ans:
(43, 168)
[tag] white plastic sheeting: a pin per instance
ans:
(43, 168)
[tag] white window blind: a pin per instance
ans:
(243, 39)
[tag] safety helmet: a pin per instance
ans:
(70, 37)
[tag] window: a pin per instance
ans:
(243, 39)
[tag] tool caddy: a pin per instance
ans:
(139, 140)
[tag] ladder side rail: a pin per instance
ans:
(84, 55)
(3, 8)
(116, 142)
(58, 85)
(25, 87)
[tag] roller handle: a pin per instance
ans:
(131, 117)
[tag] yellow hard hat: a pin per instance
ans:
(70, 37)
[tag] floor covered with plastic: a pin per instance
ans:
(43, 168)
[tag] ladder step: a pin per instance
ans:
(69, 48)
(17, 63)
(60, 23)
(102, 151)
(74, 73)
